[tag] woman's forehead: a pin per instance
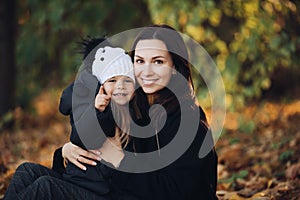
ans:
(151, 44)
(151, 49)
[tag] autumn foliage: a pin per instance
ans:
(258, 150)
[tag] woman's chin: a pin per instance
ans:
(151, 89)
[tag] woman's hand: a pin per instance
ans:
(79, 156)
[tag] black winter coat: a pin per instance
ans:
(95, 178)
(186, 177)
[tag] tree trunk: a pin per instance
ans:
(7, 55)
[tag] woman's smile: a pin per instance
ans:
(152, 65)
(147, 81)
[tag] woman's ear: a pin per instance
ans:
(174, 71)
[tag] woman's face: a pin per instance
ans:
(152, 65)
(120, 88)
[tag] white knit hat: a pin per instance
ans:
(110, 62)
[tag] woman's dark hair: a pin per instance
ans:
(175, 44)
(179, 54)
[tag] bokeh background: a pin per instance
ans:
(254, 43)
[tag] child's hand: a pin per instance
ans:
(101, 100)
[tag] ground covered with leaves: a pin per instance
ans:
(259, 153)
(258, 150)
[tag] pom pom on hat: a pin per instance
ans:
(110, 62)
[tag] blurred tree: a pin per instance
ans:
(7, 55)
(248, 40)
(50, 30)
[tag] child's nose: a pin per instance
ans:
(120, 84)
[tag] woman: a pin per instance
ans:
(160, 61)
(158, 69)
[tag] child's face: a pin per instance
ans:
(120, 88)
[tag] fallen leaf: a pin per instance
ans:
(293, 171)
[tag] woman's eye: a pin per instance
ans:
(158, 62)
(111, 80)
(139, 61)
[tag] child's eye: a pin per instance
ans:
(111, 80)
(128, 81)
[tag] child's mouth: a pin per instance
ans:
(119, 94)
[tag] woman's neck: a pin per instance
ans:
(154, 98)
(150, 98)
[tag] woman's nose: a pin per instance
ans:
(148, 70)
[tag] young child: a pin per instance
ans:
(114, 70)
(117, 88)
(66, 103)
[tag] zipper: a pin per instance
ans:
(157, 142)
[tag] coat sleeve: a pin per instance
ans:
(65, 105)
(84, 113)
(106, 121)
(58, 161)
